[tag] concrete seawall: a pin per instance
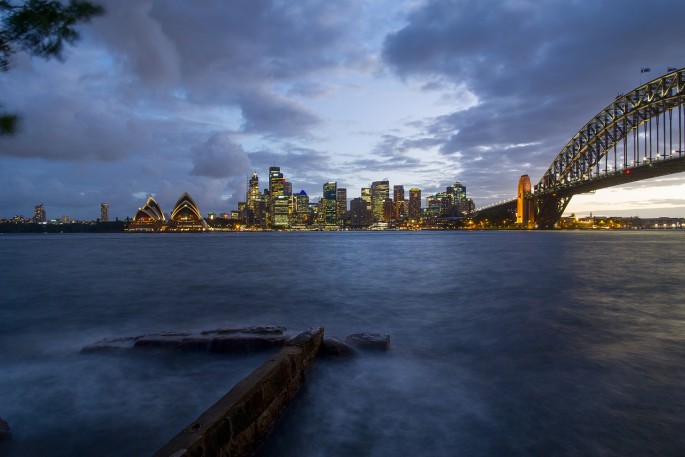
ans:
(239, 422)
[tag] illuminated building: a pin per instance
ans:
(149, 218)
(341, 204)
(287, 188)
(104, 212)
(301, 210)
(330, 208)
(360, 215)
(275, 189)
(366, 196)
(400, 204)
(185, 216)
(64, 219)
(281, 205)
(388, 210)
(380, 191)
(414, 203)
(253, 201)
(39, 215)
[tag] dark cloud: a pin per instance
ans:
(540, 70)
(274, 116)
(220, 157)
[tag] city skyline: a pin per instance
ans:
(158, 97)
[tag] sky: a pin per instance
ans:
(161, 97)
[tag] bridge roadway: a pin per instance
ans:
(505, 213)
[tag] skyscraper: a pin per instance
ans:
(366, 196)
(275, 189)
(104, 212)
(39, 215)
(414, 203)
(301, 208)
(341, 203)
(360, 215)
(330, 208)
(380, 191)
(400, 205)
(252, 197)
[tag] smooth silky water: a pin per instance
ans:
(503, 343)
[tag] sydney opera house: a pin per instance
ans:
(185, 217)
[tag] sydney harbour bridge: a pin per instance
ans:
(639, 136)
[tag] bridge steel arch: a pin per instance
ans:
(623, 131)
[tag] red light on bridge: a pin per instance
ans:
(627, 172)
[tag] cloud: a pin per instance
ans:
(220, 157)
(537, 79)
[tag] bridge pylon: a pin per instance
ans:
(525, 204)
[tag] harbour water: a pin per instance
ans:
(503, 343)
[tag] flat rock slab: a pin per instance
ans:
(5, 433)
(223, 340)
(369, 341)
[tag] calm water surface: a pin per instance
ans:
(504, 343)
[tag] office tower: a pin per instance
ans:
(380, 191)
(388, 210)
(301, 208)
(287, 188)
(458, 192)
(39, 215)
(281, 206)
(275, 189)
(104, 212)
(341, 204)
(400, 205)
(252, 198)
(330, 208)
(360, 215)
(275, 182)
(366, 196)
(414, 203)
(398, 193)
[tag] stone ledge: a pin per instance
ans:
(239, 422)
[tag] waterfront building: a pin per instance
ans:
(433, 205)
(341, 204)
(186, 216)
(360, 215)
(414, 203)
(400, 204)
(366, 196)
(301, 210)
(39, 214)
(253, 200)
(287, 188)
(281, 205)
(380, 191)
(329, 205)
(388, 210)
(275, 189)
(148, 218)
(64, 219)
(104, 212)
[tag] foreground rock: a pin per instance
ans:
(223, 340)
(239, 423)
(369, 341)
(5, 433)
(336, 348)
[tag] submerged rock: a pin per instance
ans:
(5, 433)
(335, 347)
(369, 341)
(223, 340)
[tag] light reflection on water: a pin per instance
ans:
(504, 343)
